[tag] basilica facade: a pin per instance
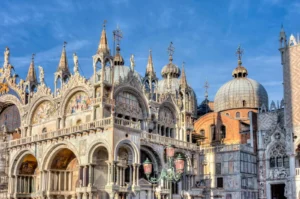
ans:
(87, 138)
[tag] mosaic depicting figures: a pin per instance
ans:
(78, 102)
(43, 112)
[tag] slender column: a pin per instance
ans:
(16, 179)
(90, 176)
(49, 180)
(70, 180)
(130, 174)
(112, 173)
(137, 175)
(59, 181)
(108, 172)
(123, 176)
(65, 181)
(84, 176)
(118, 175)
(91, 195)
(134, 178)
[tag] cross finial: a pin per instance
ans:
(206, 86)
(239, 53)
(104, 24)
(118, 35)
(171, 49)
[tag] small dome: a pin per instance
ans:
(240, 93)
(239, 71)
(118, 59)
(170, 69)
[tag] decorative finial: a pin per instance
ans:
(6, 56)
(206, 86)
(150, 51)
(32, 57)
(118, 35)
(239, 53)
(65, 43)
(171, 50)
(132, 62)
(104, 24)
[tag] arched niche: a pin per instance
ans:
(10, 120)
(148, 153)
(78, 107)
(99, 161)
(63, 167)
(27, 175)
(43, 117)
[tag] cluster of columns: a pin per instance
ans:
(87, 175)
(59, 180)
(165, 131)
(25, 183)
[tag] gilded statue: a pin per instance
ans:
(42, 74)
(75, 59)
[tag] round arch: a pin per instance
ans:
(155, 157)
(11, 99)
(18, 158)
(171, 106)
(70, 94)
(131, 146)
(94, 146)
(136, 93)
(36, 104)
(53, 150)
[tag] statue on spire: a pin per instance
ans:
(6, 56)
(132, 62)
(239, 53)
(75, 59)
(42, 75)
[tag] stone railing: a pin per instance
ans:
(297, 172)
(158, 139)
(224, 148)
(62, 132)
(127, 123)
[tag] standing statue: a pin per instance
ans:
(75, 59)
(132, 64)
(6, 56)
(42, 75)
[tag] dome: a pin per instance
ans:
(240, 93)
(170, 69)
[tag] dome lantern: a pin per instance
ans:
(240, 71)
(170, 70)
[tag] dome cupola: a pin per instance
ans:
(241, 92)
(170, 70)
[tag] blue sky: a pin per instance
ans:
(205, 35)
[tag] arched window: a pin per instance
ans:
(213, 132)
(227, 114)
(44, 130)
(202, 132)
(78, 122)
(244, 103)
(223, 131)
(237, 114)
(278, 157)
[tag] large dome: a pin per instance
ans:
(240, 93)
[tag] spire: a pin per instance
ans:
(183, 81)
(63, 62)
(150, 68)
(31, 75)
(282, 38)
(103, 45)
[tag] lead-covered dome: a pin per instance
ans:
(241, 92)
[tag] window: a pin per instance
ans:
(218, 168)
(278, 157)
(202, 132)
(219, 182)
(44, 130)
(213, 132)
(223, 131)
(244, 103)
(237, 114)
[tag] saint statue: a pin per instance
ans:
(132, 64)
(42, 75)
(6, 56)
(75, 59)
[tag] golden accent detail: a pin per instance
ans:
(4, 88)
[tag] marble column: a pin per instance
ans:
(90, 176)
(108, 172)
(118, 175)
(130, 174)
(112, 173)
(49, 180)
(134, 174)
(65, 181)
(70, 180)
(59, 181)
(84, 175)
(123, 176)
(137, 175)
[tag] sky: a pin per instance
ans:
(205, 35)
